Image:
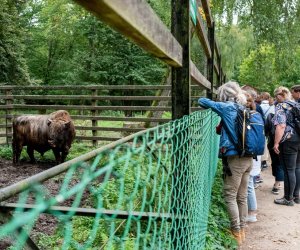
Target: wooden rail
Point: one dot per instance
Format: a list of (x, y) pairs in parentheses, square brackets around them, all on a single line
[(87, 110), (136, 20)]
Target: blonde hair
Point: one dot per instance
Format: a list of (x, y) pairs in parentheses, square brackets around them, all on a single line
[(231, 91), (284, 92)]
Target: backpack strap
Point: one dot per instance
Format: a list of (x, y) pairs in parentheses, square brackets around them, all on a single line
[(267, 111)]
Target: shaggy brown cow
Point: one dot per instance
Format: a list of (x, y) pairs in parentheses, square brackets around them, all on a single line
[(42, 133)]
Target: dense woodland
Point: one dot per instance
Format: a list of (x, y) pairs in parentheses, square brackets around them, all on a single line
[(57, 42)]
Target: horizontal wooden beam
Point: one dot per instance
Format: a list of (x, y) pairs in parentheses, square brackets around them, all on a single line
[(136, 20), (76, 107), (86, 97), (87, 87), (107, 118), (91, 212), (109, 129), (98, 138), (198, 78)]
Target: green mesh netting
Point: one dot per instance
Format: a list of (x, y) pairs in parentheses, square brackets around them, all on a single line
[(152, 193)]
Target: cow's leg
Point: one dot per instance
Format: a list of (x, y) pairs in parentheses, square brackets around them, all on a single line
[(64, 155), (30, 153), (57, 155), (17, 149)]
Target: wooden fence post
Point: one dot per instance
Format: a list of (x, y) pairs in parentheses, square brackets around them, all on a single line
[(181, 78), (220, 71), (210, 61), (8, 118), (94, 113), (181, 105)]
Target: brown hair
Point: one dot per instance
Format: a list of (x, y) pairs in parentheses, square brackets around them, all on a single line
[(265, 96), (296, 88), (250, 101)]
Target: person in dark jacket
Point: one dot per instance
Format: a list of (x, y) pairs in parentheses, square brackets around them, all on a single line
[(277, 170), (235, 183), (287, 145)]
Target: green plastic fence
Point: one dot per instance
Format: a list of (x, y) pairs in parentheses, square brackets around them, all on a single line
[(152, 193)]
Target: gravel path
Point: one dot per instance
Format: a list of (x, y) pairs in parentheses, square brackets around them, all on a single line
[(278, 227)]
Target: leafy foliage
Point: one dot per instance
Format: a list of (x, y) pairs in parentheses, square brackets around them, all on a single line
[(259, 68), (271, 58), (13, 68)]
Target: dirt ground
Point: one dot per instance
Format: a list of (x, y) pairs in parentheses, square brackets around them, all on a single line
[(278, 227), (10, 174)]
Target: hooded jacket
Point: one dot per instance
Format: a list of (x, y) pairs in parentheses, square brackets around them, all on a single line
[(228, 112)]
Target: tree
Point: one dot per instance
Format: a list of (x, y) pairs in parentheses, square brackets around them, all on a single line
[(258, 69), (13, 68)]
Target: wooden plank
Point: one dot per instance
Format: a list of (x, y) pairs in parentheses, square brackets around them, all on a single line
[(98, 138), (129, 119), (198, 77), (74, 107), (4, 135), (88, 87), (202, 36), (111, 118), (86, 97), (207, 12), (136, 20), (91, 212), (109, 129)]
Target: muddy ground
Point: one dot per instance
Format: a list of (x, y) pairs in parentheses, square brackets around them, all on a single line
[(11, 174)]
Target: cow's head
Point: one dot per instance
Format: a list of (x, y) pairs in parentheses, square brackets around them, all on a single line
[(58, 133)]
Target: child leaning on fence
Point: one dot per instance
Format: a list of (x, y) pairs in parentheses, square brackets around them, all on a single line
[(236, 182)]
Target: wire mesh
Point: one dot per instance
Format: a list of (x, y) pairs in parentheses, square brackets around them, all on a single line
[(152, 193)]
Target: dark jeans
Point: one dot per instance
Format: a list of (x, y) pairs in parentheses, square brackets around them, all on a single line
[(277, 170), (290, 159)]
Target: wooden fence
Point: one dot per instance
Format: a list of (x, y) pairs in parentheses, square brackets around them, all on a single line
[(91, 105)]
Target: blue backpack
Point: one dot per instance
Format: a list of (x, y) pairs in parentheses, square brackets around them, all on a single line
[(249, 126), (250, 131)]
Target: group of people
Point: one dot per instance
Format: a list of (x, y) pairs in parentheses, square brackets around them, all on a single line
[(283, 147)]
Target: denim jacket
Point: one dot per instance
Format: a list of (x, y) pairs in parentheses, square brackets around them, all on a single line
[(228, 112)]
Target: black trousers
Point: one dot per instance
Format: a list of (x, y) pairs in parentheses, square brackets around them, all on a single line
[(290, 160)]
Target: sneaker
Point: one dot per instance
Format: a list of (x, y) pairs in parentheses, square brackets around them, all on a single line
[(251, 218), (297, 200), (258, 179), (283, 201), (264, 165), (275, 190)]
